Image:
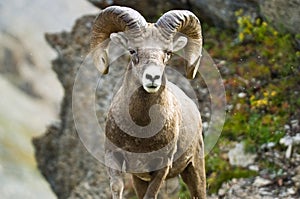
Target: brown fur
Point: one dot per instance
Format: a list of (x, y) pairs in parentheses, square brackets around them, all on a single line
[(190, 164)]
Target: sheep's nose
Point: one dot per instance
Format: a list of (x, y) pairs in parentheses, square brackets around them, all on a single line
[(152, 78)]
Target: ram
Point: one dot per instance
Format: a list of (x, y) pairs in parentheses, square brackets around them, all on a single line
[(153, 129)]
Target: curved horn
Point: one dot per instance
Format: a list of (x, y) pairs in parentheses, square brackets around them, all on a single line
[(113, 19), (187, 23)]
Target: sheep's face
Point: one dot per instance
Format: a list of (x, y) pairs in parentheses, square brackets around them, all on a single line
[(149, 56)]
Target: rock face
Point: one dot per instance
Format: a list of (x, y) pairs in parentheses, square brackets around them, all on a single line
[(282, 14), (15, 60), (221, 13), (238, 156), (24, 54), (218, 12), (61, 156), (152, 9)]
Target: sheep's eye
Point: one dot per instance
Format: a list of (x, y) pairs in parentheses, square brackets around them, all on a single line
[(132, 51), (134, 56), (169, 53)]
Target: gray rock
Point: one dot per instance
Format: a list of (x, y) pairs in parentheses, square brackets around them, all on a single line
[(15, 60), (282, 14), (25, 56), (64, 161), (151, 9), (222, 12), (238, 157), (296, 178), (260, 182), (295, 124), (290, 141), (254, 168), (217, 12), (243, 188)]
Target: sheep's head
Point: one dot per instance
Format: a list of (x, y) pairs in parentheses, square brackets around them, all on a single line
[(150, 45), (149, 55)]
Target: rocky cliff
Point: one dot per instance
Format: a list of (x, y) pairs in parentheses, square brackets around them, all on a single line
[(62, 158), (284, 15)]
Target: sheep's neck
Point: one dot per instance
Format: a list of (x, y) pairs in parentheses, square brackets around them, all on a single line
[(141, 102)]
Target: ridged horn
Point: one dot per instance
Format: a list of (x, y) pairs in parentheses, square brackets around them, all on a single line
[(113, 19), (188, 24)]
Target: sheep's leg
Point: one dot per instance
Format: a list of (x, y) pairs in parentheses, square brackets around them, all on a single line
[(116, 183), (156, 182), (140, 186), (115, 160), (194, 177)]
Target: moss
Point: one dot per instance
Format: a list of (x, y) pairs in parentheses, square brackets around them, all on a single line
[(215, 183)]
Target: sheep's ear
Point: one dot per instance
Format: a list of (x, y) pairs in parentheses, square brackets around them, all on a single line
[(179, 43), (100, 57), (119, 39)]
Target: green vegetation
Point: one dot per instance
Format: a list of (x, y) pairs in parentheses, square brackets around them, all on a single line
[(184, 192), (263, 65)]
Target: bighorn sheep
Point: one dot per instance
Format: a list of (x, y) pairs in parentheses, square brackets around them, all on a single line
[(153, 130)]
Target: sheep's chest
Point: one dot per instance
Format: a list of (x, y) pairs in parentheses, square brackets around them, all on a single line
[(143, 135), (142, 144)]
